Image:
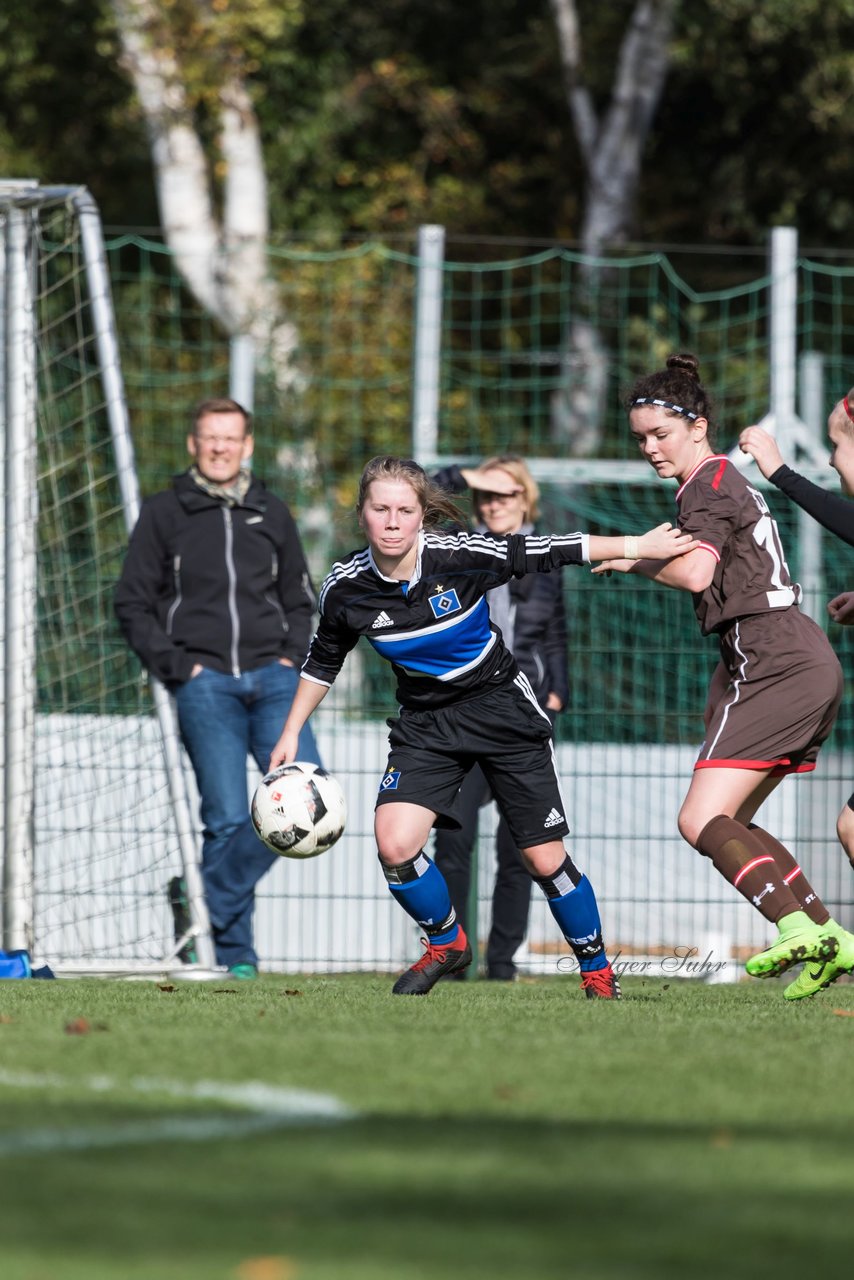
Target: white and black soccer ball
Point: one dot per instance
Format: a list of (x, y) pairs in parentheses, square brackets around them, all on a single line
[(299, 810)]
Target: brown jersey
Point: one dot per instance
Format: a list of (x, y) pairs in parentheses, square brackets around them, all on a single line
[(730, 519)]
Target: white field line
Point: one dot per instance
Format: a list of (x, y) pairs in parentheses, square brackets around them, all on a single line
[(253, 1107)]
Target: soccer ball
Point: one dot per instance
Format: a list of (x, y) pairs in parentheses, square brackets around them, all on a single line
[(298, 810)]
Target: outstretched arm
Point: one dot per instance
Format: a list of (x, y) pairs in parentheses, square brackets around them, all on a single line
[(831, 510), (691, 572), (307, 699), (661, 543)]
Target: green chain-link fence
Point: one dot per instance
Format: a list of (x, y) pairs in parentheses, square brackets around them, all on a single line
[(525, 342), (535, 351)]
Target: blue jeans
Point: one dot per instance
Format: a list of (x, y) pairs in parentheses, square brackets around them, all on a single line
[(223, 720)]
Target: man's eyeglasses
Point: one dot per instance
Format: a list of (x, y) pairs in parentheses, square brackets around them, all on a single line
[(225, 442)]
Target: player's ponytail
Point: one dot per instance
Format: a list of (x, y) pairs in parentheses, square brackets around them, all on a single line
[(677, 389)]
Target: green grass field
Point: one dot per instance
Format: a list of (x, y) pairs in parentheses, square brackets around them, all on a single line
[(485, 1131)]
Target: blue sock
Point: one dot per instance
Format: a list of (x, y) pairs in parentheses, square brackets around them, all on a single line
[(420, 888), (574, 908)]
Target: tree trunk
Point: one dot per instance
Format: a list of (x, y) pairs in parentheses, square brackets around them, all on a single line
[(612, 149), (223, 260)]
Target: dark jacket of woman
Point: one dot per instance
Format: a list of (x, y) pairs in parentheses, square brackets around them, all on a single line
[(537, 634)]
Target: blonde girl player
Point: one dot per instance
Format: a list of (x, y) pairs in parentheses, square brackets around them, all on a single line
[(418, 595), (774, 695)]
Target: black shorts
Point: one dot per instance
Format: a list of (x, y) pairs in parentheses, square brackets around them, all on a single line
[(774, 696), (507, 734)]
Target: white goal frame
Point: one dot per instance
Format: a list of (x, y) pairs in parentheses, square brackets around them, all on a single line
[(21, 205)]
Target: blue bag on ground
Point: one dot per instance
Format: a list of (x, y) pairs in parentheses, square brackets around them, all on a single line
[(16, 964)]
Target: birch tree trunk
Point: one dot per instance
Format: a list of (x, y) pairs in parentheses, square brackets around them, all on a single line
[(612, 149), (222, 258)]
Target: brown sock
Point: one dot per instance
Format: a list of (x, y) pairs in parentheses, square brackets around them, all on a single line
[(793, 876), (743, 860)]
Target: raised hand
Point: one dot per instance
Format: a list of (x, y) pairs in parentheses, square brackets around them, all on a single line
[(762, 448), (841, 609)]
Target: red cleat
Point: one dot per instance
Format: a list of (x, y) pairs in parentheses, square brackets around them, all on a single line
[(436, 963), (601, 984)]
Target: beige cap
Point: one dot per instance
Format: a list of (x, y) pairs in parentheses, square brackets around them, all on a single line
[(490, 479)]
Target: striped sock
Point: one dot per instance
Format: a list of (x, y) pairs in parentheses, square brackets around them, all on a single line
[(742, 859), (572, 902), (793, 876), (420, 888)]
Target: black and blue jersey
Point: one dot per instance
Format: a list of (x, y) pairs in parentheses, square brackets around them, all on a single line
[(435, 629)]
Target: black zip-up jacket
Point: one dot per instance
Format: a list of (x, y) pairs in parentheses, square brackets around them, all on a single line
[(540, 631), (540, 636), (210, 582)]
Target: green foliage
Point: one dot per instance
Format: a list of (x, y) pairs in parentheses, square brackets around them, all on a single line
[(65, 111), (383, 115), (767, 90)]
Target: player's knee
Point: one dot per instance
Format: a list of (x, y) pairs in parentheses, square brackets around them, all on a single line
[(395, 856), (845, 831), (396, 846), (690, 825)]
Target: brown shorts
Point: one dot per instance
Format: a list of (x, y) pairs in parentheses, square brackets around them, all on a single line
[(774, 695)]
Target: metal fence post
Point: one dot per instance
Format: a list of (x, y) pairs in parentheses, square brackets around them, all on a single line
[(784, 310), (241, 375), (811, 568), (428, 343)]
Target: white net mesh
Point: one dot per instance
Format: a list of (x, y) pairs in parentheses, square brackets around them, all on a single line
[(103, 837)]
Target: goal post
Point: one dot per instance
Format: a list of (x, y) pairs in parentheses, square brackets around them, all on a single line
[(96, 811)]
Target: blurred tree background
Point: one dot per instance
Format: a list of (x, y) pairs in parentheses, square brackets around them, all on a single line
[(379, 116)]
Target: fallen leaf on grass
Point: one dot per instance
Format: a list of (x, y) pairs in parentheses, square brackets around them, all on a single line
[(291, 991), (165, 987), (266, 1269), (4, 1017), (506, 1092), (78, 1027), (82, 1027), (721, 1138), (844, 1013)]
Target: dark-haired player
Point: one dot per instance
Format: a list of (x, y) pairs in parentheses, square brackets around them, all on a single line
[(418, 595), (775, 693)]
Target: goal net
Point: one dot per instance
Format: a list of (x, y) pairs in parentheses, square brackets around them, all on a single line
[(98, 808), (94, 822)]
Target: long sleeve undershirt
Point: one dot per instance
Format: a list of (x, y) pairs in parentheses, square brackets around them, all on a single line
[(835, 513)]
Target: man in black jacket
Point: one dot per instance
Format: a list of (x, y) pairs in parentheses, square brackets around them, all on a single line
[(216, 601)]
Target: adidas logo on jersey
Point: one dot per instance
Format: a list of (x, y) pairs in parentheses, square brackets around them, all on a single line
[(381, 620), (553, 819)]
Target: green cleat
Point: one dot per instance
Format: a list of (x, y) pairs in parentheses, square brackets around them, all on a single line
[(809, 942), (817, 974)]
